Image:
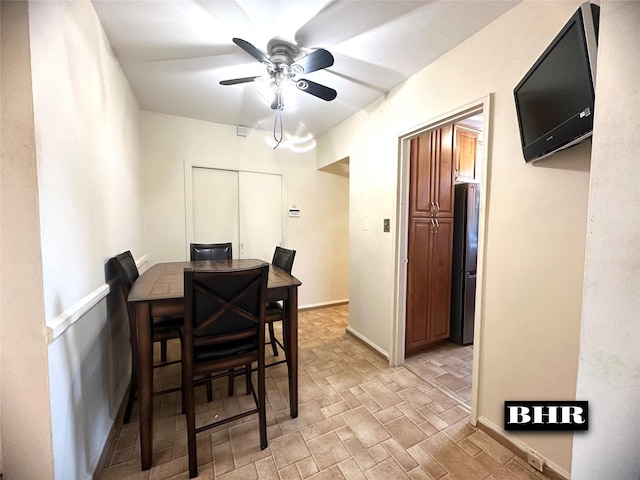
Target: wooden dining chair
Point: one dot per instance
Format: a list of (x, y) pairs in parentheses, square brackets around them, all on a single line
[(223, 334), (164, 329), (283, 258), (211, 251)]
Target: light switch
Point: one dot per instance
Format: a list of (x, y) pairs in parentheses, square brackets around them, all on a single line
[(386, 225)]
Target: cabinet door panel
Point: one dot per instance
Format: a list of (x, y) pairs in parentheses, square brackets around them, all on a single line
[(443, 180), (440, 279), (417, 335), (465, 152), (420, 172)]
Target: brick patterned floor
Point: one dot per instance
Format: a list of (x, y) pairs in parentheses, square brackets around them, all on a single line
[(358, 419), (448, 366)]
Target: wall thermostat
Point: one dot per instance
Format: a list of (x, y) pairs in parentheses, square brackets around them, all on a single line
[(294, 212)]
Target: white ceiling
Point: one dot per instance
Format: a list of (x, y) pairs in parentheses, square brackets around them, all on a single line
[(175, 52)]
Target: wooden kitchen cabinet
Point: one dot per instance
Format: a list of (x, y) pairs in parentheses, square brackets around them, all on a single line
[(432, 174), (430, 239), (428, 283), (465, 153)]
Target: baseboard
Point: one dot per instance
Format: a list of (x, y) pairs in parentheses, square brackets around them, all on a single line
[(315, 306), (367, 343), (112, 438), (550, 469)]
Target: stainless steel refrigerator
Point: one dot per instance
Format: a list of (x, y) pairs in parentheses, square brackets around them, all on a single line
[(465, 259)]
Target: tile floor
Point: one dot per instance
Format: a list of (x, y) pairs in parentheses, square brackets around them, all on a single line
[(448, 366), (358, 419)]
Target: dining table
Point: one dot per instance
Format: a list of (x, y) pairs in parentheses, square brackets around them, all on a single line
[(159, 292)]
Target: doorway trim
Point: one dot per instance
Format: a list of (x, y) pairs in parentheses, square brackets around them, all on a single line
[(397, 351)]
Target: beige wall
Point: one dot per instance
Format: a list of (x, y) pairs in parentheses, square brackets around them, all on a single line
[(319, 235), (535, 226), (609, 368), (25, 420)]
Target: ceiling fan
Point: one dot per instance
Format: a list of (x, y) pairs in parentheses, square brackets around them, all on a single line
[(284, 69)]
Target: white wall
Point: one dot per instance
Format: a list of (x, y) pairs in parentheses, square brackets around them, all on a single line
[(319, 235), (535, 225), (609, 367), (87, 129)]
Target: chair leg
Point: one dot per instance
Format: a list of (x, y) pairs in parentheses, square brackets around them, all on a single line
[(231, 380), (191, 425), (262, 408), (272, 338), (133, 388), (209, 390), (247, 376), (163, 350)]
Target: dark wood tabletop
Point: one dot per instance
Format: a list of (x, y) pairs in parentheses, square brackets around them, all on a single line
[(165, 281)]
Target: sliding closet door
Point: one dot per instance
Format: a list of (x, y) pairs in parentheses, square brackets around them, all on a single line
[(239, 207), (260, 214), (215, 206)]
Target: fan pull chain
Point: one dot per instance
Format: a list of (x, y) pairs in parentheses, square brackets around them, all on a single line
[(278, 133)]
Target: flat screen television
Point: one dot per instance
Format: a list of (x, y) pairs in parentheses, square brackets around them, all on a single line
[(554, 100)]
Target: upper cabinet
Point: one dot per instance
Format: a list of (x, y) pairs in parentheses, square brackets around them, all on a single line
[(466, 150), (432, 174)]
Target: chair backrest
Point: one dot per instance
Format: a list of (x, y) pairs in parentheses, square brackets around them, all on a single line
[(124, 266), (224, 306), (211, 251), (126, 270), (283, 258)]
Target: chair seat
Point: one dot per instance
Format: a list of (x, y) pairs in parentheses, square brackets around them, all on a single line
[(212, 352), (163, 324), (166, 329), (274, 309)]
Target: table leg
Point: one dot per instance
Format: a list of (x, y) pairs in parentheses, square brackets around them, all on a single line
[(292, 354), (145, 382)]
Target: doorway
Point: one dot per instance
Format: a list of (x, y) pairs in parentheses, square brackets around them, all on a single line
[(456, 364)]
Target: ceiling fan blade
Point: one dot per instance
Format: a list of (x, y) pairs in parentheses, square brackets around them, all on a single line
[(251, 50), (317, 90), (235, 81), (339, 21), (315, 61)]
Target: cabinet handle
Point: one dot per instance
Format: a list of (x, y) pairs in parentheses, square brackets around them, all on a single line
[(437, 207), (433, 206)]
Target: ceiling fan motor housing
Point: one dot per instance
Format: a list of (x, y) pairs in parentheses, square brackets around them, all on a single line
[(282, 54)]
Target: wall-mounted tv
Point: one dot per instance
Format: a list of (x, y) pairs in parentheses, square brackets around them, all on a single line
[(554, 100)]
